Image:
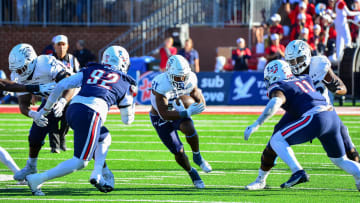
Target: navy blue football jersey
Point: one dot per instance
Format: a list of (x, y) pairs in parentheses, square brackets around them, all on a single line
[(105, 83), (300, 94)]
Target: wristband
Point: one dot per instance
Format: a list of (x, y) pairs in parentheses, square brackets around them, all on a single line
[(32, 88)]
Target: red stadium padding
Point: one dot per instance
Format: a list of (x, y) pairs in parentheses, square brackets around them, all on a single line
[(235, 110)]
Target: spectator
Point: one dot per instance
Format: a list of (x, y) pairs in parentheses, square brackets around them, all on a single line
[(343, 37), (49, 49), (276, 27), (354, 21), (220, 63), (82, 54), (23, 11), (166, 51), (317, 41), (299, 26), (309, 20), (304, 35), (191, 55), (240, 56), (57, 132), (275, 50)]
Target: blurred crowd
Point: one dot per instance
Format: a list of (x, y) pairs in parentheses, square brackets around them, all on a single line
[(328, 26)]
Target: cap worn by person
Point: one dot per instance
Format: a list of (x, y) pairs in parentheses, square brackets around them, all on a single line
[(240, 40), (301, 16), (276, 18), (305, 31), (317, 26), (303, 5), (60, 38), (274, 36)]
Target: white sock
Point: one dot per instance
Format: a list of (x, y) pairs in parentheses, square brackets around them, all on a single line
[(263, 175), (8, 160), (101, 151), (32, 162), (349, 166), (196, 153), (64, 168), (285, 152)]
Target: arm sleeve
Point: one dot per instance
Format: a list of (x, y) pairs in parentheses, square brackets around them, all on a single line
[(127, 108), (271, 108), (350, 13), (67, 83)]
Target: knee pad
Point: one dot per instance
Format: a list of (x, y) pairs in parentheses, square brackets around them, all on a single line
[(105, 138), (79, 163), (268, 157)]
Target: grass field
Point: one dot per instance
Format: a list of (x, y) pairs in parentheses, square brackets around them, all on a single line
[(145, 171)]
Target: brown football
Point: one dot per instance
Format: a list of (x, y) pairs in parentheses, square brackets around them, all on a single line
[(186, 100)]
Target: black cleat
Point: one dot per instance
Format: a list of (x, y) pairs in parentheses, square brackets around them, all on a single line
[(298, 177)]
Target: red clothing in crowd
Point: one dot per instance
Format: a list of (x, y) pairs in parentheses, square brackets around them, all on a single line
[(278, 29), (164, 56), (309, 11), (273, 49), (295, 32)]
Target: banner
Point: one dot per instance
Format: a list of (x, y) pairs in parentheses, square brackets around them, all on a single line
[(144, 86), (248, 88), (215, 87)]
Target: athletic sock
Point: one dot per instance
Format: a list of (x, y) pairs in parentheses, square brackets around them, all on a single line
[(32, 162), (62, 169), (197, 158), (101, 151), (263, 175), (8, 160)]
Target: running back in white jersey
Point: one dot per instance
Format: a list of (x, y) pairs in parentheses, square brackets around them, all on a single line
[(318, 68), (162, 85), (45, 71)]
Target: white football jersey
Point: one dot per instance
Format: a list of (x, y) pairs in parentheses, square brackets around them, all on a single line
[(45, 71), (162, 85), (319, 67)]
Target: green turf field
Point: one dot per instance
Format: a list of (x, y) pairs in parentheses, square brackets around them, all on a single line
[(145, 171)]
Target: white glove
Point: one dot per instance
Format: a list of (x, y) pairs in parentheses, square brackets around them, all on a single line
[(59, 107), (195, 108), (251, 129), (46, 89), (179, 107), (39, 118)]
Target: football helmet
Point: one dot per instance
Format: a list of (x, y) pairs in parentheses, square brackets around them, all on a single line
[(116, 57), (20, 58), (298, 55), (178, 71), (275, 71)]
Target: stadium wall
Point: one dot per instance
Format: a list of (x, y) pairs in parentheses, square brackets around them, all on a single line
[(206, 39)]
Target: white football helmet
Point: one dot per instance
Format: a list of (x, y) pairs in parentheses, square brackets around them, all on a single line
[(116, 57), (20, 58), (178, 70), (277, 70), (298, 55)]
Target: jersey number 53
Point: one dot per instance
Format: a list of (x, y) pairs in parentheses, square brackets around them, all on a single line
[(102, 79)]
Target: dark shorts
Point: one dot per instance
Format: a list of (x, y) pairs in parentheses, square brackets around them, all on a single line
[(325, 126), (167, 131), (86, 124)]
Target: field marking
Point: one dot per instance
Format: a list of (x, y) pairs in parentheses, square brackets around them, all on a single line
[(104, 200)]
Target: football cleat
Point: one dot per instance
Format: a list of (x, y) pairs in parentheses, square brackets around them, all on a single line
[(298, 177), (358, 186), (108, 177), (204, 165), (23, 182), (256, 185), (34, 183), (27, 170), (194, 175), (98, 181)]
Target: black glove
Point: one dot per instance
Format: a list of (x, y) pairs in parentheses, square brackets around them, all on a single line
[(333, 85)]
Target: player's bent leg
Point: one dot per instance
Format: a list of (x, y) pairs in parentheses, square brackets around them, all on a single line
[(350, 149), (187, 127), (268, 158), (66, 167), (349, 166)]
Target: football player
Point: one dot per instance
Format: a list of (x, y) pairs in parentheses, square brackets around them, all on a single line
[(298, 54), (29, 69), (314, 119), (102, 85), (7, 85), (178, 80)]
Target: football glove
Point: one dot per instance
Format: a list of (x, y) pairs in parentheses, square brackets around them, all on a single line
[(179, 107), (251, 129), (59, 107), (195, 108), (39, 118), (333, 85)]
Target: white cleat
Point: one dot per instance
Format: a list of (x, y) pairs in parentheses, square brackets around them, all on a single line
[(205, 166), (256, 185), (98, 181), (199, 184), (108, 177), (27, 170), (34, 183)]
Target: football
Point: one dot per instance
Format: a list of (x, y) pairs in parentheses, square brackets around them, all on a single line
[(186, 100)]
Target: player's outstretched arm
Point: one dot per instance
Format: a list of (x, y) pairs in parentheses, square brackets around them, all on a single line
[(11, 86), (127, 106), (334, 83), (277, 99)]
